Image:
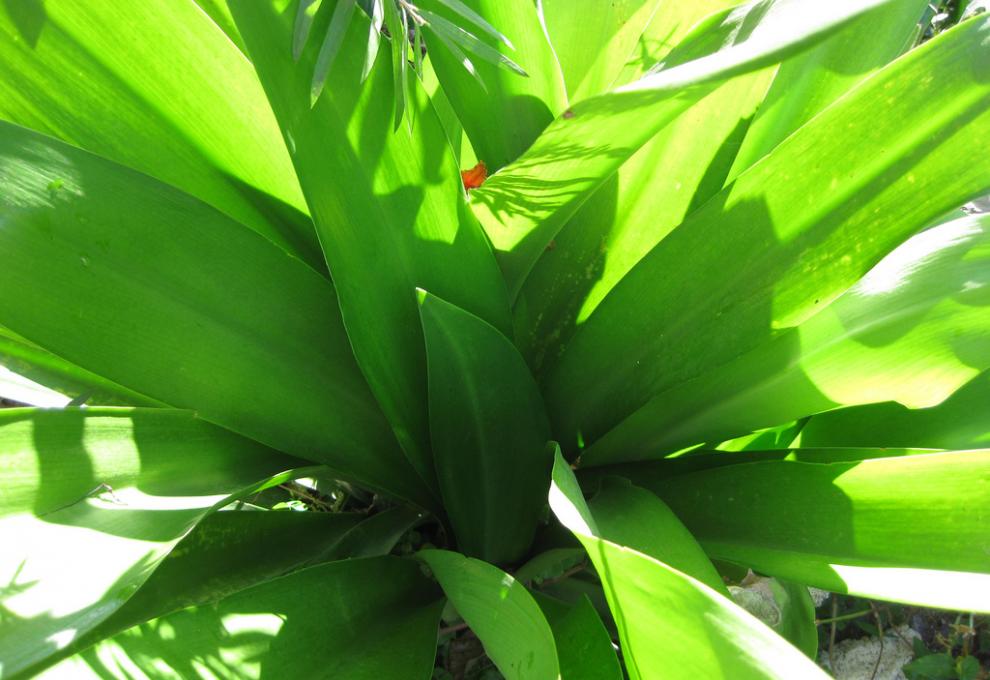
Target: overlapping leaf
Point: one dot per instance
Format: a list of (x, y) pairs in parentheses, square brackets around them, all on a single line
[(697, 152), (364, 619), (388, 208), (507, 112), (913, 330), (671, 625), (960, 422), (523, 207), (93, 501), (878, 523), (593, 40), (159, 88), (158, 292), (793, 233)]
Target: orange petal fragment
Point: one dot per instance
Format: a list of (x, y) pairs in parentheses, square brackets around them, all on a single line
[(475, 177)]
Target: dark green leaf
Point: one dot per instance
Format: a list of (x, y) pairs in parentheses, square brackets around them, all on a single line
[(583, 645), (932, 667), (489, 432)]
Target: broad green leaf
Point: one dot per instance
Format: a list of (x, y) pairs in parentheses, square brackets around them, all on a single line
[(93, 501), (960, 422), (489, 432), (913, 330), (226, 552), (630, 213), (152, 289), (500, 611), (651, 473), (361, 619), (614, 230), (384, 229), (671, 625), (908, 528), (635, 518), (503, 116), (523, 207), (42, 367), (583, 645), (593, 40), (808, 83), (159, 88), (793, 233)]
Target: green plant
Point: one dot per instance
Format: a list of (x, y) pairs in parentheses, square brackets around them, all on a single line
[(717, 247)]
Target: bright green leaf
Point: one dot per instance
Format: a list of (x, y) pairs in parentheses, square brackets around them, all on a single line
[(670, 625), (523, 207), (914, 329), (160, 88), (26, 359), (501, 613), (633, 517), (593, 39), (364, 619), (811, 81), (503, 116), (793, 233), (960, 422), (93, 501), (908, 528)]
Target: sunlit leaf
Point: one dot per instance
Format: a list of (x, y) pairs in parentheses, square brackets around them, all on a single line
[(364, 619), (93, 501), (671, 625), (910, 528), (500, 612), (793, 233)]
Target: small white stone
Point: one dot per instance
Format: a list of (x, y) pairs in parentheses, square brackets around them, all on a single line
[(857, 659)]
